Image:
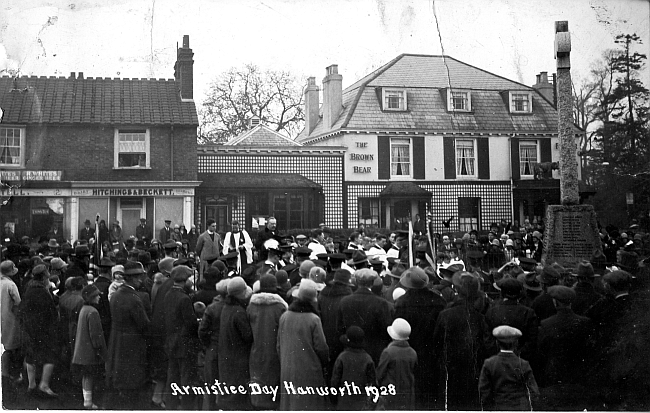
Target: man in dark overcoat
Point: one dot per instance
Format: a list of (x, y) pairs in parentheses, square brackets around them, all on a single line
[(508, 311), (144, 231), (421, 306), (370, 312), (543, 304), (86, 233), (263, 235), (126, 367), (586, 294), (461, 342), (565, 340), (181, 327), (165, 232), (329, 301)]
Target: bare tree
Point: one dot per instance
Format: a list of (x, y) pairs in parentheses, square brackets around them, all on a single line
[(276, 97)]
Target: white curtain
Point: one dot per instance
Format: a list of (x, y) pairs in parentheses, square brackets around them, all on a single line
[(528, 157), (400, 164), (464, 158)]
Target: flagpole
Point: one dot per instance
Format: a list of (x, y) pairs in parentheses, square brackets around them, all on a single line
[(410, 244)]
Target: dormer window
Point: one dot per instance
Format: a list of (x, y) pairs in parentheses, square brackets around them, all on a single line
[(394, 99), (459, 100), (521, 102)]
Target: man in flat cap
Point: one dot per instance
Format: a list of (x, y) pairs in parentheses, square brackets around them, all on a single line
[(166, 231), (507, 381)]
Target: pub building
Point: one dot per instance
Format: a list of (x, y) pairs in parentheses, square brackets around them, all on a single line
[(72, 148), (433, 134)]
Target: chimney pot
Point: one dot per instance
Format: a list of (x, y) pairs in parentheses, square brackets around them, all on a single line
[(312, 105), (544, 77), (81, 75), (183, 69), (332, 95), (73, 75)]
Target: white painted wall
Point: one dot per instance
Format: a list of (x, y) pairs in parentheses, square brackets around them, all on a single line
[(499, 158)]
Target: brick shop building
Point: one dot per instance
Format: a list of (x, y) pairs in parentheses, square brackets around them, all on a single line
[(73, 147)]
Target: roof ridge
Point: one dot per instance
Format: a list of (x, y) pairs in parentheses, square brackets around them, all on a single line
[(489, 73), (363, 85)]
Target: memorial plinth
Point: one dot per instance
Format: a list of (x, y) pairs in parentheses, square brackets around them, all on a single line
[(571, 234), (571, 230)]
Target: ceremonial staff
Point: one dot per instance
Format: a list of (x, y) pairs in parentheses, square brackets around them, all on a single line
[(433, 260)]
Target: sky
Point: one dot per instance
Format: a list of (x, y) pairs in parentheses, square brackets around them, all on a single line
[(138, 39)]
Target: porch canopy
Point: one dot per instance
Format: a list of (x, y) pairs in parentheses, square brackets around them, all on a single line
[(256, 181), (405, 190)]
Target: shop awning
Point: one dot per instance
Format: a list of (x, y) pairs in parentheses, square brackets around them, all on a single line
[(257, 181), (404, 190)]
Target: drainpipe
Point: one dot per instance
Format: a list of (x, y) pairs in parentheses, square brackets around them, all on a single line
[(171, 163), (512, 183)]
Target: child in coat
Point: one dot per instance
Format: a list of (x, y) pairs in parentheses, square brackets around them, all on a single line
[(353, 370), (507, 381), (396, 366), (90, 347)]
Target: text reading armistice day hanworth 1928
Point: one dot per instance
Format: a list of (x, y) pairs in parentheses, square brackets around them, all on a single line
[(221, 389)]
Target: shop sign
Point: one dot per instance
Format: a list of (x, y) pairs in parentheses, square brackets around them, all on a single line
[(35, 192), (30, 175), (40, 211), (126, 192), (361, 157)]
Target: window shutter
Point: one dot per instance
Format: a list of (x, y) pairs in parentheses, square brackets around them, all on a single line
[(419, 164), (483, 149), (545, 150), (545, 154), (514, 153), (383, 146), (450, 157)]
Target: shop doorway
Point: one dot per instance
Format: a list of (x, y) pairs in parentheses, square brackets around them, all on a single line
[(130, 220), (220, 215)]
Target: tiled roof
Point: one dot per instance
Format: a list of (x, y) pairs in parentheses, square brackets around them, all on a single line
[(425, 80), (261, 135), (431, 71), (64, 100)]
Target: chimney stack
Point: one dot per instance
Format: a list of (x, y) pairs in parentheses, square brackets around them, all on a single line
[(184, 71), (312, 105), (544, 87), (332, 95)]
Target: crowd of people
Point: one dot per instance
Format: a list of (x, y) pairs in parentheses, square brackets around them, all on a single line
[(407, 320)]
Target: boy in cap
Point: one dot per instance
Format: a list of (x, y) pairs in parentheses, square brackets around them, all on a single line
[(355, 367), (397, 366), (506, 381)]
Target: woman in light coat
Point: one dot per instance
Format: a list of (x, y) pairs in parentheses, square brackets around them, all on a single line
[(264, 312)]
